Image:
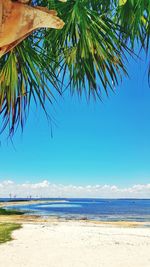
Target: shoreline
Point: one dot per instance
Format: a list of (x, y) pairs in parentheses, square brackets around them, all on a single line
[(27, 218), (36, 219), (74, 242)]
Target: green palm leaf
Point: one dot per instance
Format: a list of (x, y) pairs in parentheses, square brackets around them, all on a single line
[(88, 55), (24, 75), (90, 48)]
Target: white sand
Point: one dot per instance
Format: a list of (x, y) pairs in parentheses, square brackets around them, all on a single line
[(77, 244), (28, 202)]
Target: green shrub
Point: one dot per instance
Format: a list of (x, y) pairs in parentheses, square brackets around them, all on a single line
[(10, 212)]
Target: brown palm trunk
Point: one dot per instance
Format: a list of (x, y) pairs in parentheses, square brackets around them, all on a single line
[(18, 20)]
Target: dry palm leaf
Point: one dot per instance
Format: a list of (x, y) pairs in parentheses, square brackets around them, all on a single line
[(18, 20)]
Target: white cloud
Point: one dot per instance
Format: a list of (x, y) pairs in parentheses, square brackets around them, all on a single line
[(7, 182), (46, 189)]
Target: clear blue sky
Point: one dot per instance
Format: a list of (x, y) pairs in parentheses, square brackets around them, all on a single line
[(94, 143)]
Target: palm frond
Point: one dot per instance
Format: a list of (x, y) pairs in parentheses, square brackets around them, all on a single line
[(24, 75), (89, 52), (134, 19), (89, 46)]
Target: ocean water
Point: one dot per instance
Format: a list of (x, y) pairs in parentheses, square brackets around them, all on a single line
[(93, 209)]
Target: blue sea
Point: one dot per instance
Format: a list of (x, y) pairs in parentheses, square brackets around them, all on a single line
[(93, 209)]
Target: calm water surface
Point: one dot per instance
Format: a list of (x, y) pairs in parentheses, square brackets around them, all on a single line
[(94, 209)]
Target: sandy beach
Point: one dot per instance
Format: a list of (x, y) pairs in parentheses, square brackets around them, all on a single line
[(29, 202), (77, 244)]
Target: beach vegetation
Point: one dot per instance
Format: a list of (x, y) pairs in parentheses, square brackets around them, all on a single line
[(6, 231), (10, 212)]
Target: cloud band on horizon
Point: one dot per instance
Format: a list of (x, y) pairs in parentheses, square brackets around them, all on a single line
[(46, 189)]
